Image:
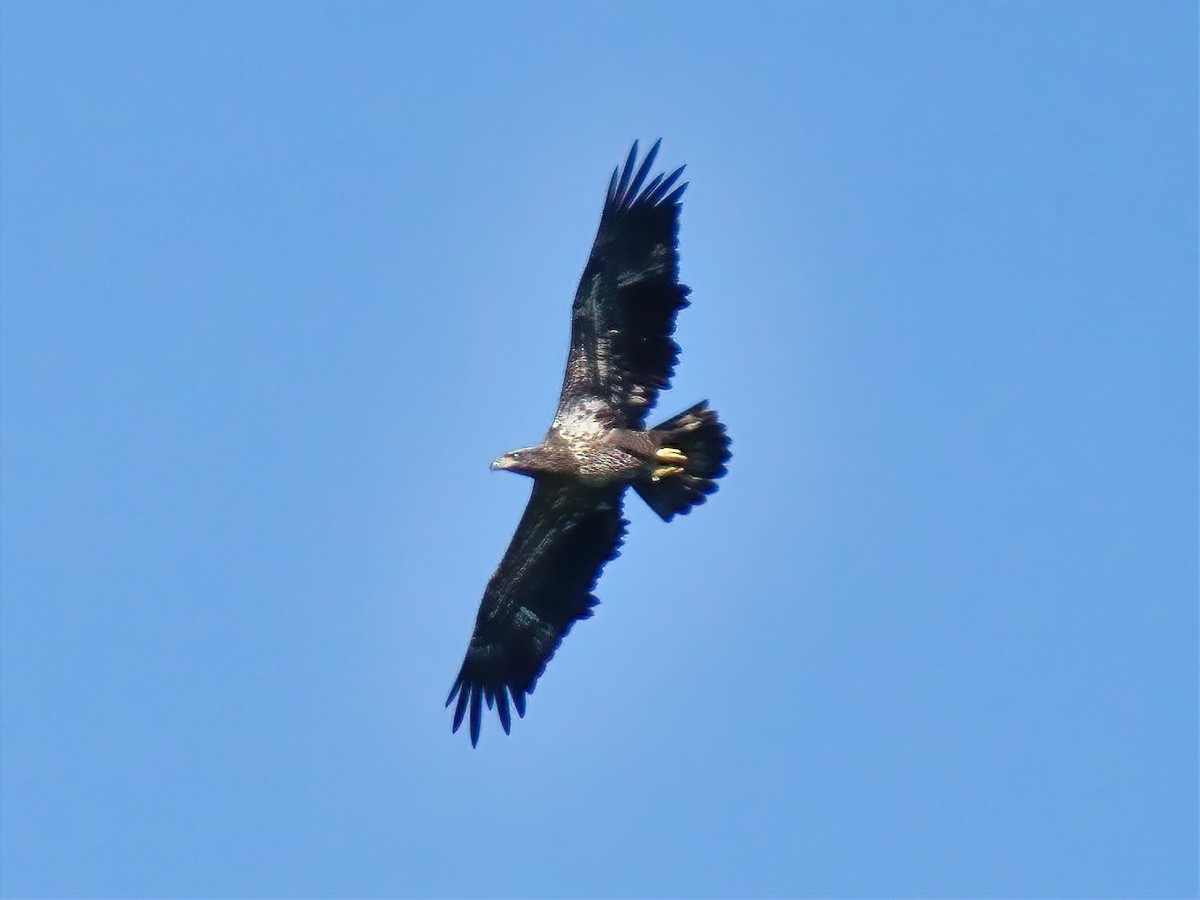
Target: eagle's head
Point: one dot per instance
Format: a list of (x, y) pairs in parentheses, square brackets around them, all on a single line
[(520, 461)]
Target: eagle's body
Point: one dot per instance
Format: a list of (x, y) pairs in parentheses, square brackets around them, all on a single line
[(584, 450), (621, 356)]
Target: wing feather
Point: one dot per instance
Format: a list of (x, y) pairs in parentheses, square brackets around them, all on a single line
[(636, 184), (656, 191), (541, 588), (622, 353), (625, 173)]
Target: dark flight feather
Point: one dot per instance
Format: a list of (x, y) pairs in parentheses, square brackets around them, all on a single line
[(644, 170), (655, 192), (625, 173)]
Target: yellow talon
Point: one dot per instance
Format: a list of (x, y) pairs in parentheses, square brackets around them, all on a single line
[(670, 455), (664, 471)]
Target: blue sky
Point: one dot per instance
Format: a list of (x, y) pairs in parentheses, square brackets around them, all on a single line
[(279, 280)]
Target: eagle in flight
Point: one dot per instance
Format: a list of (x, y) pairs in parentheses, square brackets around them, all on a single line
[(621, 356)]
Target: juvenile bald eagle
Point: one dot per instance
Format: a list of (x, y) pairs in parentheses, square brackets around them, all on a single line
[(621, 356)]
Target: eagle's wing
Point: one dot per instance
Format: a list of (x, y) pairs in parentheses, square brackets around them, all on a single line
[(622, 354), (542, 586)]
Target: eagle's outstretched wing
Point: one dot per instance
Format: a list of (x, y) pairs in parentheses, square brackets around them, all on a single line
[(542, 586), (624, 312)]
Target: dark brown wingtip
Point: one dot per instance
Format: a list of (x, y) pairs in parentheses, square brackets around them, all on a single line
[(626, 172), (502, 709), (631, 194), (655, 196), (476, 713), (464, 695)]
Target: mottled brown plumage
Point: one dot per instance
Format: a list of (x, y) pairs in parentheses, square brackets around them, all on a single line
[(622, 355)]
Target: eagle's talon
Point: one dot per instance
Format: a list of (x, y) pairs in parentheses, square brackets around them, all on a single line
[(663, 471), (669, 455)]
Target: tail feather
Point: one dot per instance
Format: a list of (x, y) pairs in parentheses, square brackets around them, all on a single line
[(700, 436)]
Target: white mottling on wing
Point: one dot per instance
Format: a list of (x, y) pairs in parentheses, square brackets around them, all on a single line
[(582, 420)]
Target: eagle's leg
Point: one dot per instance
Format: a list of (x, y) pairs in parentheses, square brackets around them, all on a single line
[(669, 455), (664, 471)]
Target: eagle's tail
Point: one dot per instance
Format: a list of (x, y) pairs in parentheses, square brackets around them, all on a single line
[(693, 451)]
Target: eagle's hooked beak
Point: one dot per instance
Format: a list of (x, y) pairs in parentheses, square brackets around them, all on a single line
[(503, 462)]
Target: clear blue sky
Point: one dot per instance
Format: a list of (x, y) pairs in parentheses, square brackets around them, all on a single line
[(279, 281)]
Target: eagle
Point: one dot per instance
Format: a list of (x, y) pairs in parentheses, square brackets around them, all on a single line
[(621, 356)]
